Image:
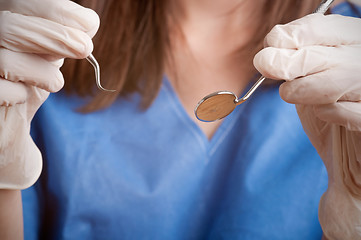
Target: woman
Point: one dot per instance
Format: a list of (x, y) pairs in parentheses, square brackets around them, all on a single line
[(138, 165)]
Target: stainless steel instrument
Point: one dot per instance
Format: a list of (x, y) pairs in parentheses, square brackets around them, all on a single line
[(220, 104), (95, 64)]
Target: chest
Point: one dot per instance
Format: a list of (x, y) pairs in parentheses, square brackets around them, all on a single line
[(157, 175)]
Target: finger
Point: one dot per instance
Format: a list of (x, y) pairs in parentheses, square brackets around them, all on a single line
[(31, 69), (323, 88), (37, 96), (347, 114), (12, 93), (52, 59), (316, 29), (37, 35), (64, 12), (289, 64)]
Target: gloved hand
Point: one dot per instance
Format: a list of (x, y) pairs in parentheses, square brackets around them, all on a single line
[(35, 36), (320, 59)]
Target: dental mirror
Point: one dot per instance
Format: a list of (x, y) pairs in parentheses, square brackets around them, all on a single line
[(220, 104)]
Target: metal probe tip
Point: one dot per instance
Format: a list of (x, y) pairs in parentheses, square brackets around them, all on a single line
[(95, 64)]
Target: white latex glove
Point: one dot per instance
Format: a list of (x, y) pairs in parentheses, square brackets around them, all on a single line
[(35, 36), (320, 59)]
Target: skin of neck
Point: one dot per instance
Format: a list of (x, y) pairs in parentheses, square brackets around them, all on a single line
[(209, 49)]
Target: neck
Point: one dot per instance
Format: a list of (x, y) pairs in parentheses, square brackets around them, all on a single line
[(209, 40), (226, 25)]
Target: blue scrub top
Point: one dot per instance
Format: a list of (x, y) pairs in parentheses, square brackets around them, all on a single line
[(122, 173)]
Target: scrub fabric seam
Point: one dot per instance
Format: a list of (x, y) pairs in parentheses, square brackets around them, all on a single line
[(227, 126), (209, 146), (231, 119), (177, 108)]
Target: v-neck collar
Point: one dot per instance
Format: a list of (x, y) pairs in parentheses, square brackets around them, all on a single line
[(209, 145)]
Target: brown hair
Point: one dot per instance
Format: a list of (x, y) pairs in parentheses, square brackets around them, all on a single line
[(132, 45)]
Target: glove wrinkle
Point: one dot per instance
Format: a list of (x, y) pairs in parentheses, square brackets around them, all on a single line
[(31, 34), (316, 29), (346, 114), (16, 171), (12, 93), (350, 164), (340, 205), (64, 12), (31, 69), (35, 37)]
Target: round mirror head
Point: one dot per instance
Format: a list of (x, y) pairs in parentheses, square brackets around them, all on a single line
[(215, 106)]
